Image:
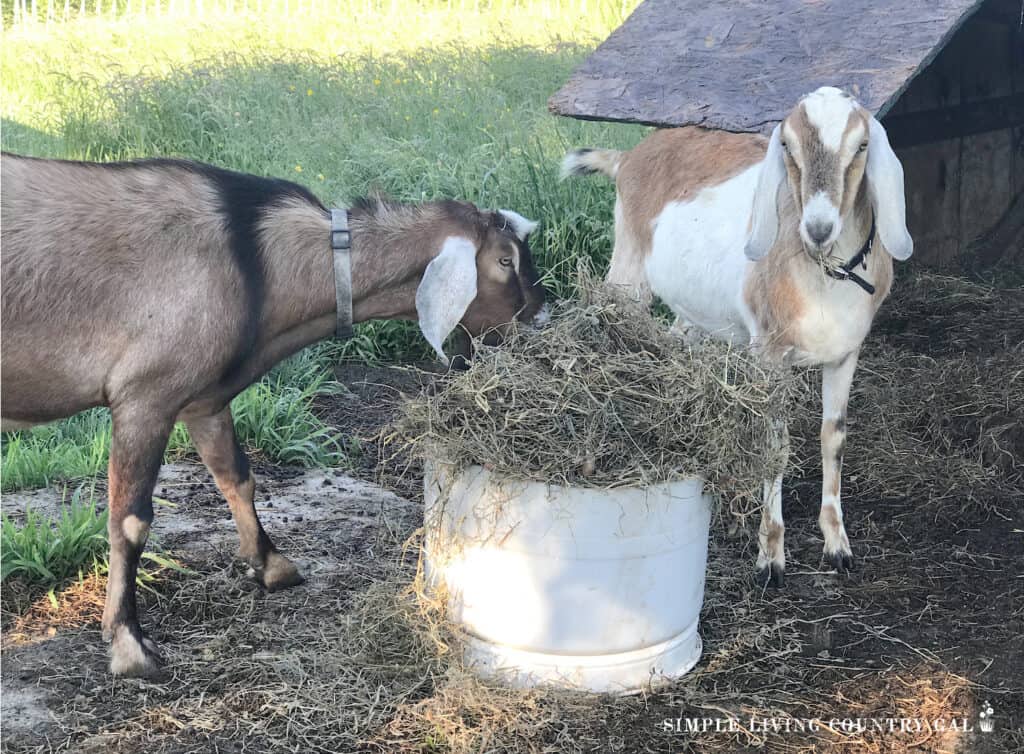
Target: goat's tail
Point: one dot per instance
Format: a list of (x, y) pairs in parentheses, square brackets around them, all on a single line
[(588, 161)]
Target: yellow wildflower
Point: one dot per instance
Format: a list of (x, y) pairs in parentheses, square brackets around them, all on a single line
[(298, 168), (309, 92)]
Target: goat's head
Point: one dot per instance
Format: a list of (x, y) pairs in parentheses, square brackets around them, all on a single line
[(484, 280), (826, 149)]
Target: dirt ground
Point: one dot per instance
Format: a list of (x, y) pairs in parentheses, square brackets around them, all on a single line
[(929, 625)]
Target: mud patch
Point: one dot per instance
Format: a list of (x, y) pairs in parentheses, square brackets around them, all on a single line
[(25, 711)]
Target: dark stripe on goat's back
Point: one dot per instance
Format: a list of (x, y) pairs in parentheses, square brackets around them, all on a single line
[(243, 201)]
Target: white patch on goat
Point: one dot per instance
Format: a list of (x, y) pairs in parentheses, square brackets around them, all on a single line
[(828, 110), (129, 657), (697, 265), (836, 379), (771, 548), (514, 251), (820, 210), (520, 225), (135, 530), (543, 316)]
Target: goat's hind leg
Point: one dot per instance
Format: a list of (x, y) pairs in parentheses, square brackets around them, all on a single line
[(137, 446), (626, 270), (771, 551), (214, 438)]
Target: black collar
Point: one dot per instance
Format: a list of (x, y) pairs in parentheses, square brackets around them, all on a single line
[(846, 271)]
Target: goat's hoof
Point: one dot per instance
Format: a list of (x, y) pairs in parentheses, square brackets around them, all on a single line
[(841, 561), (132, 654), (278, 573), (773, 575)]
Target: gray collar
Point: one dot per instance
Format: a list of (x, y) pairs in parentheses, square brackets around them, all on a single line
[(341, 245)]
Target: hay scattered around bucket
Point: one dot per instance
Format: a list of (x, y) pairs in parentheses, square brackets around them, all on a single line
[(605, 395)]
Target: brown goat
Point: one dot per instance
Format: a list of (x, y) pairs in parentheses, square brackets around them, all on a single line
[(163, 288)]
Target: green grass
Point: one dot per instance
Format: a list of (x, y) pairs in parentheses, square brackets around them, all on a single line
[(276, 414), (45, 553), (70, 449), (418, 100)]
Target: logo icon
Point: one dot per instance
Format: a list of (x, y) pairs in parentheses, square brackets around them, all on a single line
[(985, 721)]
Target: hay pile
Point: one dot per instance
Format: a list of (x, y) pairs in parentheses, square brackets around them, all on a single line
[(605, 395)]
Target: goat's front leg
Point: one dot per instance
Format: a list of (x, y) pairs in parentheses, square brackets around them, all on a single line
[(136, 450), (836, 379), (214, 438), (771, 554)]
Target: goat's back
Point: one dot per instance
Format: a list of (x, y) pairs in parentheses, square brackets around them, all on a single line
[(102, 239), (674, 164), (114, 271)]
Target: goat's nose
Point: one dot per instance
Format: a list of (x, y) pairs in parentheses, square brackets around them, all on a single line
[(819, 230)]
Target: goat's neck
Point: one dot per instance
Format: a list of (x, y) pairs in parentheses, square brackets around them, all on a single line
[(846, 296), (386, 269), (388, 261), (299, 307)]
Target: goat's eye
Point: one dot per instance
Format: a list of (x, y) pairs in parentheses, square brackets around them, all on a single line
[(862, 147), (505, 261), (784, 145)]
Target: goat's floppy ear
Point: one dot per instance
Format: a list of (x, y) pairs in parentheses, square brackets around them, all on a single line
[(885, 187), (765, 214), (519, 224), (446, 291)]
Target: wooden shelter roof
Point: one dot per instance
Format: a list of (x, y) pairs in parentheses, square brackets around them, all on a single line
[(740, 65)]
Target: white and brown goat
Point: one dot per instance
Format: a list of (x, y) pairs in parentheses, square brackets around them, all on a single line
[(162, 288), (785, 243)]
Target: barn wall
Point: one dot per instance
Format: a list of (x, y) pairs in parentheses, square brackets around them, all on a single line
[(964, 163)]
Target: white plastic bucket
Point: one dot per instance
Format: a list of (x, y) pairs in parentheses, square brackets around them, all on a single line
[(584, 588)]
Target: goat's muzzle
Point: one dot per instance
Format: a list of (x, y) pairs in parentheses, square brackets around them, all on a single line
[(820, 225), (535, 305)]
